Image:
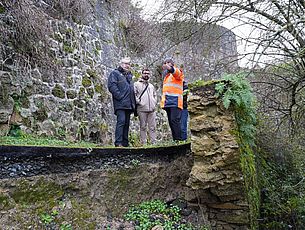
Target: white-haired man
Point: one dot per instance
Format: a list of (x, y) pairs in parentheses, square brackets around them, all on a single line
[(121, 86)]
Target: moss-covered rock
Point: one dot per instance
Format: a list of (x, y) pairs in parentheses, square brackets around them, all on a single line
[(82, 92), (71, 94), (2, 10), (86, 82), (92, 74), (79, 103), (98, 88), (41, 114), (58, 91)]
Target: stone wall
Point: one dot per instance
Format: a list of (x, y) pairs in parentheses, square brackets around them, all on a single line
[(67, 97), (216, 170)]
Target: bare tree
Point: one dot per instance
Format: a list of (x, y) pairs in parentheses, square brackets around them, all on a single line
[(277, 36)]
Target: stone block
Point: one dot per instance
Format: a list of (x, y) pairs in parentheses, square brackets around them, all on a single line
[(234, 217), (4, 129)]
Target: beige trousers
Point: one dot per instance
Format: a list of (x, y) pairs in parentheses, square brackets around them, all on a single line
[(147, 119)]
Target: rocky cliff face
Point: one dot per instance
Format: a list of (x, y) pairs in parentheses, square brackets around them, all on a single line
[(55, 57), (216, 170)]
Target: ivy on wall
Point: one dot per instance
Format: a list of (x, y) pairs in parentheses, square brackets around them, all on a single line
[(235, 91)]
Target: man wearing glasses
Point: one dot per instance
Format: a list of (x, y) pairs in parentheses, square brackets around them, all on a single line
[(121, 87), (172, 99), (146, 100)]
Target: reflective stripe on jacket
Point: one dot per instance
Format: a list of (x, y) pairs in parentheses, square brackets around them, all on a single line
[(172, 89)]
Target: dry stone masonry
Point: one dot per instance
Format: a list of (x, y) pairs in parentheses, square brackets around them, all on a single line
[(216, 172), (69, 99)]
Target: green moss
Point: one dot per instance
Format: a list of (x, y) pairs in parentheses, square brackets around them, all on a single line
[(41, 191), (92, 74), (58, 37), (71, 94), (86, 82), (68, 48), (201, 83), (41, 114), (82, 216), (104, 127), (27, 122), (58, 91), (121, 179), (2, 10), (98, 88), (5, 203), (79, 103)]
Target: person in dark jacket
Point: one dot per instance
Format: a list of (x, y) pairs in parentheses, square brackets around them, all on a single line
[(121, 87)]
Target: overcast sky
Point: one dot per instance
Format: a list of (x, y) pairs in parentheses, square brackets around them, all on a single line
[(149, 7)]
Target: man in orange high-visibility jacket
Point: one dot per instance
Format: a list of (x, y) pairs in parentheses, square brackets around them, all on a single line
[(172, 99)]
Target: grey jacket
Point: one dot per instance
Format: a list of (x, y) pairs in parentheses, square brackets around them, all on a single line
[(148, 101)]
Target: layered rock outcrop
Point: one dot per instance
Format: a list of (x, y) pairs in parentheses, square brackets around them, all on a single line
[(216, 170)]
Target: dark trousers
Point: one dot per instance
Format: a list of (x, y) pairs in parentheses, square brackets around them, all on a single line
[(174, 120), (184, 116), (122, 127)]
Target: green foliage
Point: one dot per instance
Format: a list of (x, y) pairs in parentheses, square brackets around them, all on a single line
[(136, 74), (65, 227), (283, 183), (46, 218), (15, 131), (25, 140), (53, 218), (151, 213), (134, 139), (135, 162), (235, 92)]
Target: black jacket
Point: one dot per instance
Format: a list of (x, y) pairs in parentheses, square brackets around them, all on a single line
[(120, 85)]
